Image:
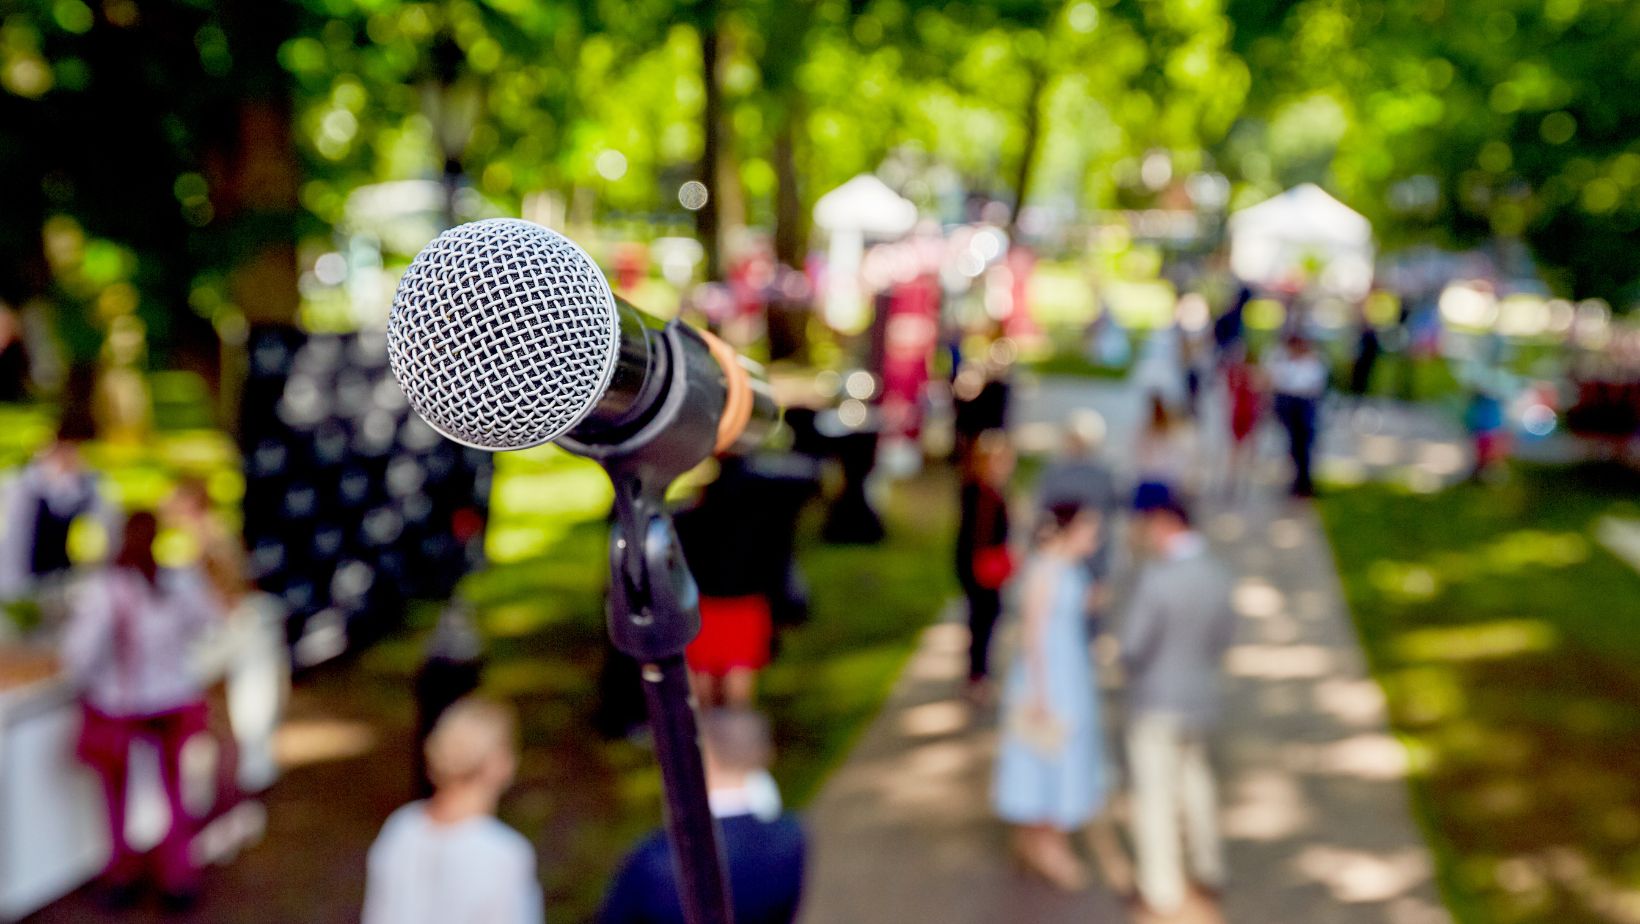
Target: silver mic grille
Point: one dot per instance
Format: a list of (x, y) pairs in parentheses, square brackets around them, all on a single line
[(503, 334)]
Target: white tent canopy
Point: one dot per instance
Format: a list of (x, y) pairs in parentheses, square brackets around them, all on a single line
[(862, 208), (1284, 236), (866, 205)]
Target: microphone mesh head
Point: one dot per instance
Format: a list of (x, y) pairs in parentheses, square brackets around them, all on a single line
[(503, 334)]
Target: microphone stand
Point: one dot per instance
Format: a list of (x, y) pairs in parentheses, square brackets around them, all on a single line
[(654, 605), (654, 614)]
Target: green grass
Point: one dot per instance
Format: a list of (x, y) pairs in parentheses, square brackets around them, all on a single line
[(1074, 364), (869, 605), (1508, 642), (1423, 378)]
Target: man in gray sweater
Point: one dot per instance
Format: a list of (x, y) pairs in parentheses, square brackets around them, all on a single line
[(1179, 625)]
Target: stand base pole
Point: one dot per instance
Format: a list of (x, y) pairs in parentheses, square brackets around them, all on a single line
[(689, 822)]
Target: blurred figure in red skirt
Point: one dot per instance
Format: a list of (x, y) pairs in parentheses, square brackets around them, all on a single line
[(738, 542), (733, 645), (1245, 390), (985, 561)]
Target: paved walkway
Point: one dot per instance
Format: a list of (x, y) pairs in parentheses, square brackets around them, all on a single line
[(1314, 802)]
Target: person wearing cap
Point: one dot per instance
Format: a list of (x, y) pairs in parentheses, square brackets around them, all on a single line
[(1178, 627), (764, 848), (449, 860)]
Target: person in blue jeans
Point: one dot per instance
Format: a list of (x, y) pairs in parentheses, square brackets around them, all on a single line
[(765, 847)]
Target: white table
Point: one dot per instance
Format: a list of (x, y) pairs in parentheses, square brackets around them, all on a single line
[(52, 828)]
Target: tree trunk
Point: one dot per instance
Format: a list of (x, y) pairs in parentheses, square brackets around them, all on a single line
[(261, 184), (706, 217), (790, 230), (25, 273), (1033, 141), (256, 194)]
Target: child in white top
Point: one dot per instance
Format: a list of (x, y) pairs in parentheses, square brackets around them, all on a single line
[(448, 860)]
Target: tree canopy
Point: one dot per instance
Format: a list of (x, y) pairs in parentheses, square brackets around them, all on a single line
[(130, 134)]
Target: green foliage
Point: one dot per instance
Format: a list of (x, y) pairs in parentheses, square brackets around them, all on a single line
[(110, 119), (1458, 121), (1453, 121), (390, 90)]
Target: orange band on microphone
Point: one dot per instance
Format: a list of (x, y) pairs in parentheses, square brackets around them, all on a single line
[(737, 398)]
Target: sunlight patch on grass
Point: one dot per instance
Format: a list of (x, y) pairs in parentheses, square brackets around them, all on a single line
[(1501, 639), (1426, 694), (581, 492), (513, 620), (1404, 582), (1525, 548), (507, 545)]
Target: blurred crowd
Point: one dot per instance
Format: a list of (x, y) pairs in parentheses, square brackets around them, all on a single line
[(1054, 776), (1094, 522), (146, 631)]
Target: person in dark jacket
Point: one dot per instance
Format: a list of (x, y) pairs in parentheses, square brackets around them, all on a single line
[(982, 396), (765, 848), (738, 542), (983, 560), (42, 503), (1298, 378)]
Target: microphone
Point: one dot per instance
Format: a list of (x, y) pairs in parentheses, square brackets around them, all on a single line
[(505, 335)]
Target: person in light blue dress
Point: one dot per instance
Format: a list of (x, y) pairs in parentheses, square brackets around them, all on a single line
[(1050, 772)]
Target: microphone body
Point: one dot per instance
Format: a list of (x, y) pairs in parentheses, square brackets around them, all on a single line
[(505, 335), (668, 376)]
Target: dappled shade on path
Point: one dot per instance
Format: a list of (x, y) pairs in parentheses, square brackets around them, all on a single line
[(1312, 785)]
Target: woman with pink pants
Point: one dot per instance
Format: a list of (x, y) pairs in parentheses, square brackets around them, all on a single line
[(128, 645)]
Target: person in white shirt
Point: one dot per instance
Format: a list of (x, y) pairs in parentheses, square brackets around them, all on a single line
[(448, 860), (129, 647), (1298, 377)]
